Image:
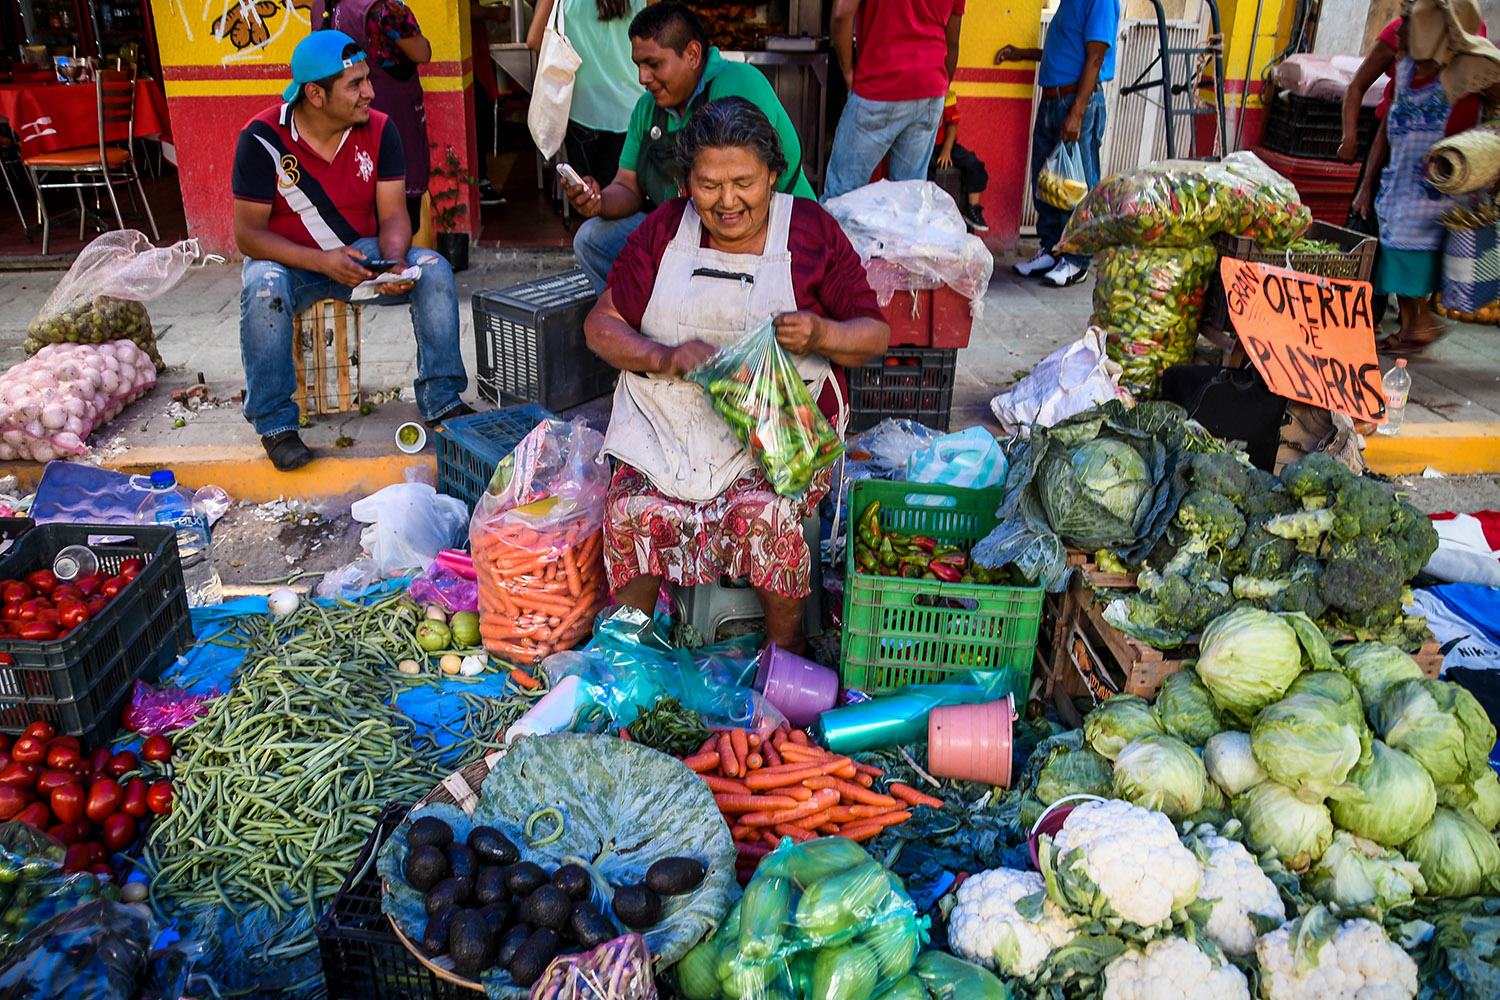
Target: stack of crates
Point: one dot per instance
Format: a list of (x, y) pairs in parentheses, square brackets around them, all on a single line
[(530, 346)]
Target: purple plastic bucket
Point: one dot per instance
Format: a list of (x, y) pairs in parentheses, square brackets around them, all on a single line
[(799, 688)]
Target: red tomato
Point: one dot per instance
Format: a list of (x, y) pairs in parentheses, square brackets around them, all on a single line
[(37, 814), (12, 801), (67, 592), (50, 615), (99, 761), (132, 565), (87, 585), (4, 760), (96, 604), (33, 607), (101, 869), (18, 775), (119, 831), (43, 581), (105, 796), (65, 741), (78, 858), (111, 588), (73, 613), (62, 756), (159, 797), (15, 590), (135, 798), (67, 803), (4, 742), (30, 749), (123, 763), (54, 778), (41, 729), (12, 611), (156, 749), (68, 833), (37, 631)]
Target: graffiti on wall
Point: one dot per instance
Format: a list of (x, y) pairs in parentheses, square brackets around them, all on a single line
[(244, 29)]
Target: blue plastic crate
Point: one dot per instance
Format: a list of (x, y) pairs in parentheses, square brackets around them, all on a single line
[(470, 447)]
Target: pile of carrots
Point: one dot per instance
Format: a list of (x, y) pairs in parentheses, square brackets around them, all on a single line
[(538, 590), (781, 785)]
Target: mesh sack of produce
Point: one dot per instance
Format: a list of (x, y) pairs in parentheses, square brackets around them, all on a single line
[(51, 403), (538, 543), (820, 918), (100, 298), (1148, 301), (755, 386), (1182, 203)]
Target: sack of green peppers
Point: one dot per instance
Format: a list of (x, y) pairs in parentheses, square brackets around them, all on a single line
[(1181, 203), (819, 919), (33, 886), (755, 386), (880, 552), (95, 322), (1149, 301)]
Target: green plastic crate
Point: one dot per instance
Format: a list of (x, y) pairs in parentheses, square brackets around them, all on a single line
[(899, 632)]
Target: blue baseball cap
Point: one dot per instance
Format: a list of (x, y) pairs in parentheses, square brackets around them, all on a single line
[(317, 57)]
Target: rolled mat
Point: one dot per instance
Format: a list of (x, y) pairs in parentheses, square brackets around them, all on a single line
[(1468, 161)]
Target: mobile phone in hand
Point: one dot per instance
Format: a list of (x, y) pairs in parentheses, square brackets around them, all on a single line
[(567, 173), (379, 264)]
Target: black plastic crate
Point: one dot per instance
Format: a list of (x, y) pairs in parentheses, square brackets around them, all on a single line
[(1313, 128), (915, 383), (470, 447), (79, 682), (362, 957), (530, 346), (1354, 259)]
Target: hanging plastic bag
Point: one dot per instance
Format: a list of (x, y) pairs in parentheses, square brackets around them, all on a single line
[(538, 543), (755, 386), (970, 458), (100, 297), (1149, 302), (1069, 380), (1062, 182), (616, 970), (408, 524), (51, 403)]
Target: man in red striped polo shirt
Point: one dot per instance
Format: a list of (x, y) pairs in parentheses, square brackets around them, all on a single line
[(319, 194)]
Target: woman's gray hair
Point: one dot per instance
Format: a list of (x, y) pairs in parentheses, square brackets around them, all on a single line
[(725, 123)]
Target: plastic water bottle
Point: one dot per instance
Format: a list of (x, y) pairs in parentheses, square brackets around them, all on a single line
[(1397, 384), (166, 507)]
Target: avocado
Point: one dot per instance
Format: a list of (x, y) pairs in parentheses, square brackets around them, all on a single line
[(461, 861), (573, 880), (492, 846), (471, 942), (531, 959), (497, 915), (589, 926), (429, 830), (449, 892), (523, 878), (510, 942), (547, 907), (489, 886), (675, 876), (435, 937), (426, 866), (637, 906)]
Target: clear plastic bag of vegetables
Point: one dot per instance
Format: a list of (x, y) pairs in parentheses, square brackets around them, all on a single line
[(33, 886), (819, 919), (1181, 203), (101, 950), (755, 386), (51, 403), (1062, 182), (1148, 301), (101, 296), (616, 970)]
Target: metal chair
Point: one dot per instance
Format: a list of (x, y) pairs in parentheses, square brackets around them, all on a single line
[(106, 166)]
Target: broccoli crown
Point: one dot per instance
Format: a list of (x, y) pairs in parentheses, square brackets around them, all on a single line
[(1266, 497), (1222, 473), (1303, 590), (1192, 600), (1361, 575), (1262, 554), (1361, 506), (1211, 517), (1413, 536), (1314, 477)]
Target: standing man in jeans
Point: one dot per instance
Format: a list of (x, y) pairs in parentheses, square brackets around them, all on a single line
[(1079, 54), (908, 50)]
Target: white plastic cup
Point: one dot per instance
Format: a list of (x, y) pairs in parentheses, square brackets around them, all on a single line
[(419, 442), (75, 561)]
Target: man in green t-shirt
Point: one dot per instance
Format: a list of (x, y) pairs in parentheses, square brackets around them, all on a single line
[(681, 73)]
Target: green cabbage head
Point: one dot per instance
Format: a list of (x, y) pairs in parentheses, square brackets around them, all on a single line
[(1276, 820), (1093, 493), (1161, 773), (1306, 743), (1392, 797), (1073, 772), (1481, 797), (1186, 709), (1441, 725), (1118, 721), (1375, 667), (1247, 659), (1358, 874), (1458, 857), (1336, 688), (1230, 763)]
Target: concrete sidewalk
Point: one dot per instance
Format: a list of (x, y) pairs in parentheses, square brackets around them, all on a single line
[(1455, 392)]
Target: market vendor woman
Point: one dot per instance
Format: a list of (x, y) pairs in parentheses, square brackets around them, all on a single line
[(688, 503)]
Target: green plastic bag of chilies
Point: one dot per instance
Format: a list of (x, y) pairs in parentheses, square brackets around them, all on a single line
[(1149, 301), (755, 386), (818, 919)]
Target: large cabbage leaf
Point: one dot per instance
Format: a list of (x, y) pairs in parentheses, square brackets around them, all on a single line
[(1438, 723), (1359, 875), (1392, 797), (1306, 743), (1186, 709), (1247, 660), (1277, 820), (1375, 668), (1119, 720), (1458, 857), (1161, 773)]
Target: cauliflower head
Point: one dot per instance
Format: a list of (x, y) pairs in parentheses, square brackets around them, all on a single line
[(1234, 886), (986, 928), (1172, 969), (1120, 863), (1316, 957)]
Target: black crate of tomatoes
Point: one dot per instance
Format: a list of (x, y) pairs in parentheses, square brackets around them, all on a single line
[(95, 802), (71, 652)]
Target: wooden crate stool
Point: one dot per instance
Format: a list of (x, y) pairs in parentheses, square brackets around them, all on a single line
[(328, 380)]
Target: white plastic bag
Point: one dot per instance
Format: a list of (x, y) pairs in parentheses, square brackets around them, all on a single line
[(52, 402), (408, 524), (552, 89), (1062, 182), (1069, 380), (970, 458)]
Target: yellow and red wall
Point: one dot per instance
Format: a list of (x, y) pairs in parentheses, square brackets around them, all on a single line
[(225, 60)]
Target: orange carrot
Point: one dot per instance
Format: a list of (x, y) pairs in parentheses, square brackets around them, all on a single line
[(741, 748), (799, 792), (724, 786), (824, 799), (862, 795), (754, 762), (702, 762), (728, 763), (770, 838), (523, 679), (712, 743), (828, 829), (797, 834), (908, 794), (754, 740), (772, 755), (753, 803), (863, 779), (768, 777), (811, 755), (740, 832), (798, 736), (846, 814), (866, 829), (821, 781), (869, 769)]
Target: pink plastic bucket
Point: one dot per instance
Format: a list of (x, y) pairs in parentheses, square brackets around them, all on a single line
[(971, 742), (799, 688)]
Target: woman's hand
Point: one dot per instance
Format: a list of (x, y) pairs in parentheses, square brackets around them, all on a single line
[(1363, 200), (801, 332), (685, 357)]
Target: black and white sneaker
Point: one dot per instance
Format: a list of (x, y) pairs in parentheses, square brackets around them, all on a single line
[(1064, 274), (1036, 266), (974, 216), (488, 195)]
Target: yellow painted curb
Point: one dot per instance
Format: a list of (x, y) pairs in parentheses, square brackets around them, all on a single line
[(247, 474), (1453, 448)]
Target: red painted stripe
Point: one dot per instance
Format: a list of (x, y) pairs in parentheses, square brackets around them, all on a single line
[(247, 71), (1235, 86), (985, 74)]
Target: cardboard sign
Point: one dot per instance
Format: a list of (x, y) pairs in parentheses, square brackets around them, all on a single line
[(1311, 338)]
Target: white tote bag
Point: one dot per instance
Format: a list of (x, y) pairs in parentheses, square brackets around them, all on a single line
[(552, 91)]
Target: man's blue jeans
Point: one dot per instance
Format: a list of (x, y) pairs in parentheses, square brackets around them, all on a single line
[(868, 130), (599, 241), (271, 294), (1050, 114)]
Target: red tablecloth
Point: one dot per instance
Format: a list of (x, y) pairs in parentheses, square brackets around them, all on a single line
[(53, 116)]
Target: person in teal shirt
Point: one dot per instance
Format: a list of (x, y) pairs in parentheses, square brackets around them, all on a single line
[(681, 73)]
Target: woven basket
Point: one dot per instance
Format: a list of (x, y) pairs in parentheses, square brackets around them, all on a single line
[(461, 788), (1465, 162)]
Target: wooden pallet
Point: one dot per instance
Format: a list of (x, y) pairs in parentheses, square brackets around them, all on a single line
[(325, 356)]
